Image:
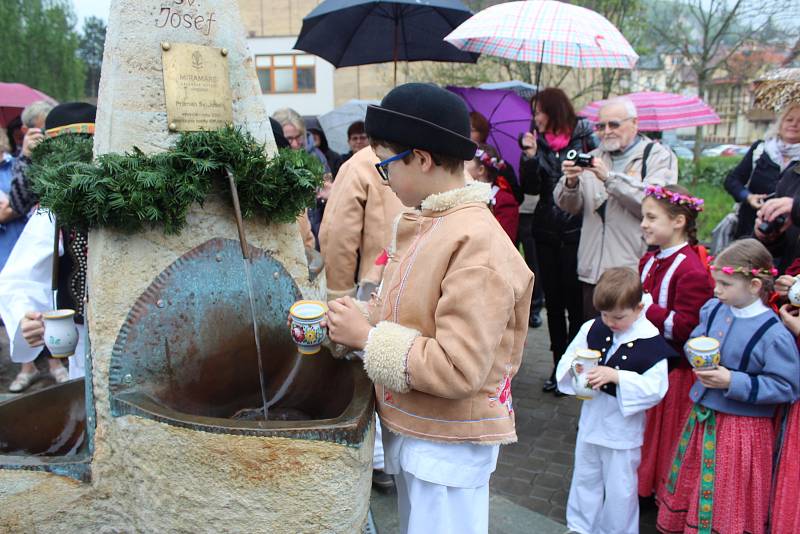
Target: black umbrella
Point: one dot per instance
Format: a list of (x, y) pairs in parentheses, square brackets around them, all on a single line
[(347, 33)]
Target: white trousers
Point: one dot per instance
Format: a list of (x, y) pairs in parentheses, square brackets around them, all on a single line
[(603, 496), (426, 508), (377, 453)]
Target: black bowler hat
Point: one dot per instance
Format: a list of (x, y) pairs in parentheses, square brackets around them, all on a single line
[(424, 116), (71, 117)]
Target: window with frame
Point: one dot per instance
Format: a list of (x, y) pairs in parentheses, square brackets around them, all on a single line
[(286, 73)]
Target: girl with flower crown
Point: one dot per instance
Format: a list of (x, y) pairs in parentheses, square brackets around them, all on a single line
[(720, 477), (486, 167), (676, 284)]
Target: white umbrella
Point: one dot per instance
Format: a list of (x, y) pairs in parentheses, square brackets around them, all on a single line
[(335, 122), (525, 90)]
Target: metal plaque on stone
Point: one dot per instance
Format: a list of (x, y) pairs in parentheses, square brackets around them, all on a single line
[(196, 86)]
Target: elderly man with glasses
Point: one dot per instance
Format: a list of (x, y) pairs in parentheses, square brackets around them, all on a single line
[(609, 193)]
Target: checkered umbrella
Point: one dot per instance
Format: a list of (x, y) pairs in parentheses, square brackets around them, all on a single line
[(545, 31), (662, 111)]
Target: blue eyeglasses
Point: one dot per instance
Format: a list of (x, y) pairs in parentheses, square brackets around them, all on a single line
[(383, 166)]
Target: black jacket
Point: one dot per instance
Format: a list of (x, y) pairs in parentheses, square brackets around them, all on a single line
[(787, 246), (539, 176), (764, 179)]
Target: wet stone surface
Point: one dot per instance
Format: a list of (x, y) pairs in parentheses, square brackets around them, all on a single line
[(534, 473)]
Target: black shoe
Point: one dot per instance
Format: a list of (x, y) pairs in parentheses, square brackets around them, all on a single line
[(549, 385), (382, 481), (557, 393), (535, 321)]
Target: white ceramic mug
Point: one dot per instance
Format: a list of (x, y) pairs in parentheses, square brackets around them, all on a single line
[(794, 293), (60, 333), (585, 360), (703, 352)]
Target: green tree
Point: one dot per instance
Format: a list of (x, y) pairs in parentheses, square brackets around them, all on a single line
[(40, 47), (92, 42), (708, 33)]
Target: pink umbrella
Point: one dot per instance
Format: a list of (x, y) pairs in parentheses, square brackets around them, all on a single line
[(14, 97), (662, 111)]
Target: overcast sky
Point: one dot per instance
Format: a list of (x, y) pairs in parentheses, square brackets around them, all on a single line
[(91, 8)]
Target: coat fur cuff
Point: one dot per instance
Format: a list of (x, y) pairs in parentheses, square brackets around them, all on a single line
[(334, 294), (386, 355)]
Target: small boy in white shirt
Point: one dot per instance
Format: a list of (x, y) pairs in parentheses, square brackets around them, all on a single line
[(631, 378)]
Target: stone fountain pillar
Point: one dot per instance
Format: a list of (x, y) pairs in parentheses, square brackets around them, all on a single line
[(154, 473)]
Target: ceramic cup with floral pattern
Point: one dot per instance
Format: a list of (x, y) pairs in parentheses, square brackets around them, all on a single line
[(305, 317), (60, 332), (703, 352)]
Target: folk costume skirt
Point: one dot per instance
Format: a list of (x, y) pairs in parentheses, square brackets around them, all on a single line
[(662, 430), (721, 475), (785, 513)]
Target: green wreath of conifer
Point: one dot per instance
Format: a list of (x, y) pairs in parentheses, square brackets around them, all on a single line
[(135, 190)]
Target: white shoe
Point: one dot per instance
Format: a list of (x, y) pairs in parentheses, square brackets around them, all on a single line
[(59, 374), (23, 381)]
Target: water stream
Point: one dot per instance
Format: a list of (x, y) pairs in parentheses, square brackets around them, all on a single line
[(251, 293), (286, 383)]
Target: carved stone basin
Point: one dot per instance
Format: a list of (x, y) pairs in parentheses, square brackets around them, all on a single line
[(186, 354)]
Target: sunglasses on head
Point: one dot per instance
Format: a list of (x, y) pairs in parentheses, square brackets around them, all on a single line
[(612, 125)]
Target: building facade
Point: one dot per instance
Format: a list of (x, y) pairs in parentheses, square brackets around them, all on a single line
[(292, 78)]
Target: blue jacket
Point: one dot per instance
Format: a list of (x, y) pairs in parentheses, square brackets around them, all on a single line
[(9, 232), (761, 355)]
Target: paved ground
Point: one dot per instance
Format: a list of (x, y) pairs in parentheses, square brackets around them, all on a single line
[(536, 471), (532, 479)]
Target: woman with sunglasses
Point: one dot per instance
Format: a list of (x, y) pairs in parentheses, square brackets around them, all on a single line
[(555, 232)]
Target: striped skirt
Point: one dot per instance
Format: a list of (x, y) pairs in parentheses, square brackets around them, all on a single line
[(722, 482), (785, 516)]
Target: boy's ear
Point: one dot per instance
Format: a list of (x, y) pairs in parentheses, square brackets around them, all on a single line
[(639, 307), (425, 159)]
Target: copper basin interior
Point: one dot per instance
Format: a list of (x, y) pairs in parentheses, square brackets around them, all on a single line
[(186, 355), (49, 422)]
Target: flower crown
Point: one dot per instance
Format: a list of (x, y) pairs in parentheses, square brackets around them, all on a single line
[(489, 161), (727, 269), (656, 191)]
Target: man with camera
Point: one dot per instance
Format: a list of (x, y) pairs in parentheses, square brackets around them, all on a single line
[(607, 187)]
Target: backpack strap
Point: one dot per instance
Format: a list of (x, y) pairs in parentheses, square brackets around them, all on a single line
[(711, 317), (645, 155), (753, 340)]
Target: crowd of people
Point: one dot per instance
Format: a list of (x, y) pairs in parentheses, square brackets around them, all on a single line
[(420, 226)]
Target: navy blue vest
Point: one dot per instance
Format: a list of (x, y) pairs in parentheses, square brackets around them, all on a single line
[(638, 355)]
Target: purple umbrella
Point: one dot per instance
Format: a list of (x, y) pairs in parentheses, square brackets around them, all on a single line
[(508, 114)]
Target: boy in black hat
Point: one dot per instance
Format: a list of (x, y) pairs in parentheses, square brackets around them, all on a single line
[(26, 280), (443, 334)]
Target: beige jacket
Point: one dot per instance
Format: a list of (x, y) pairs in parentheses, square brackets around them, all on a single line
[(357, 223), (451, 320), (617, 240)]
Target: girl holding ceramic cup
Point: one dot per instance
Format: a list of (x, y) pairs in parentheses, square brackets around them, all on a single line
[(676, 284), (724, 456)]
